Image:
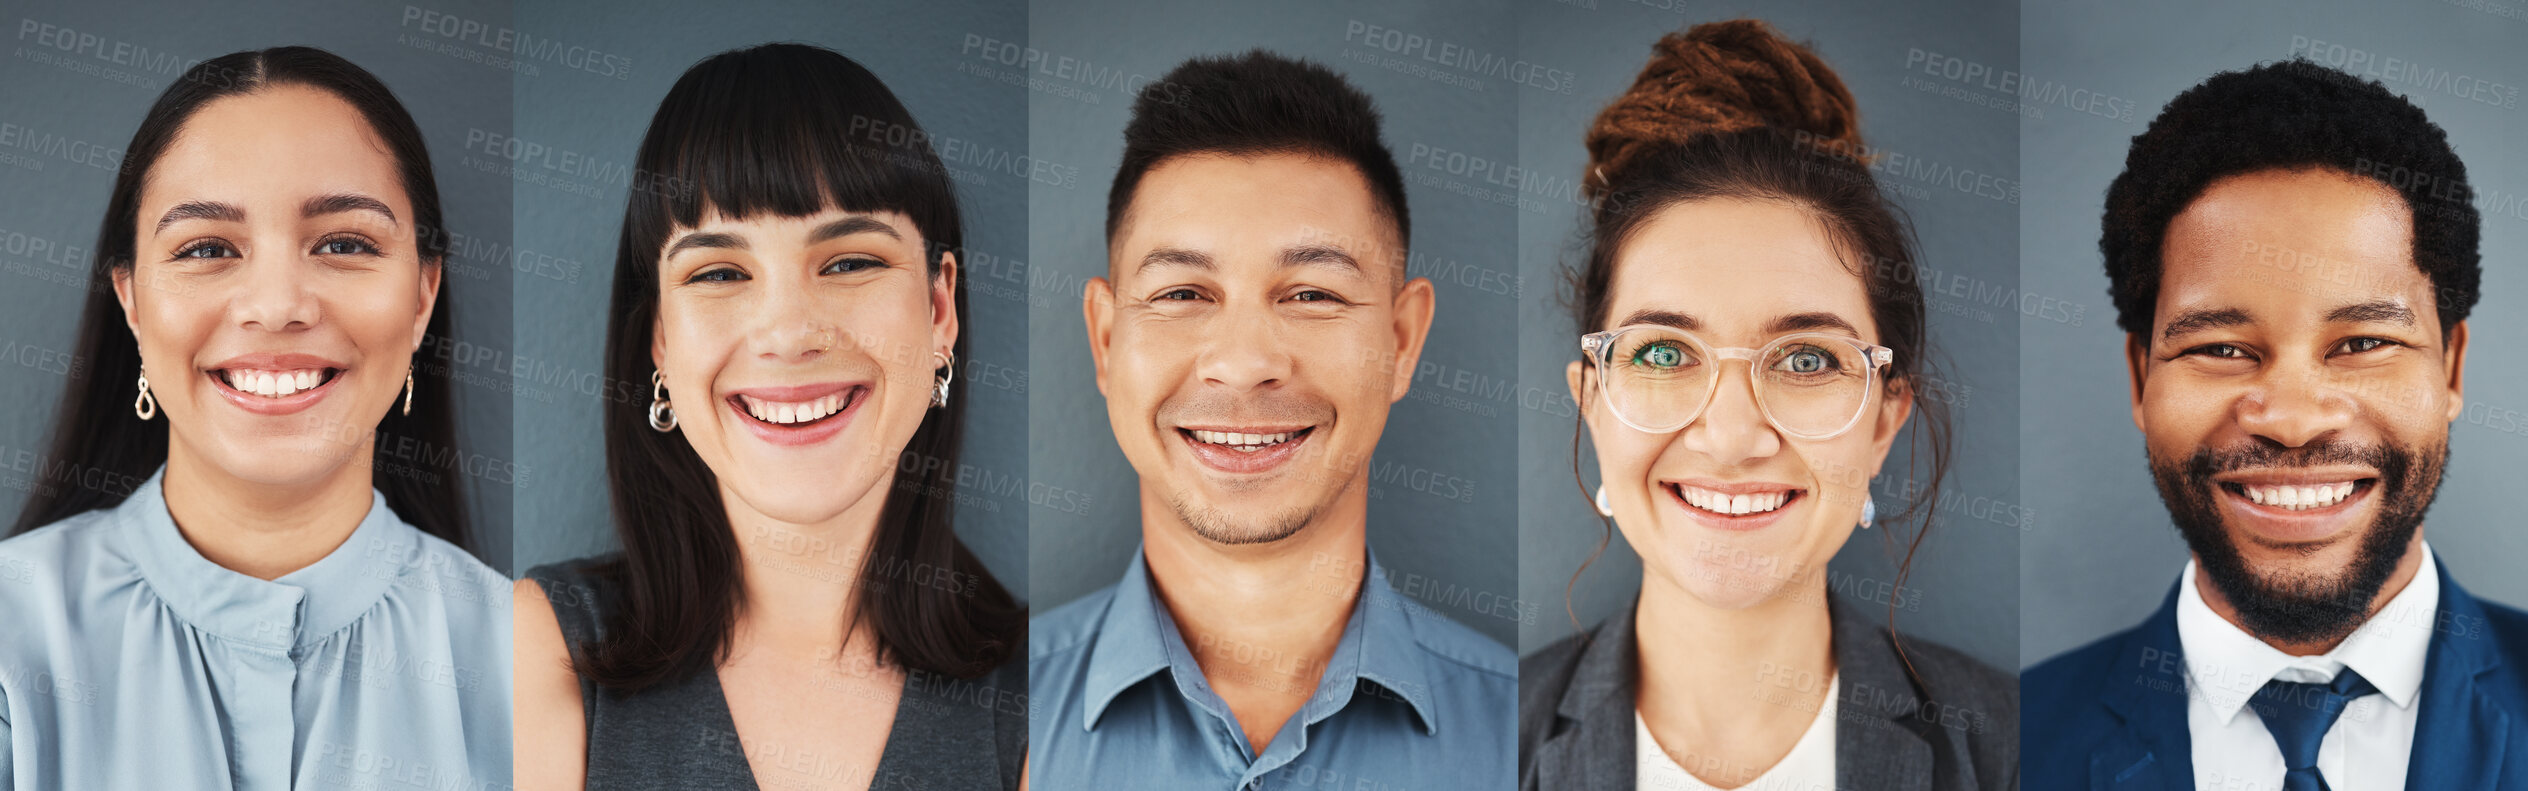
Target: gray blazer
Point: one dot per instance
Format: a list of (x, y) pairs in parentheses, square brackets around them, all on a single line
[(1953, 723)]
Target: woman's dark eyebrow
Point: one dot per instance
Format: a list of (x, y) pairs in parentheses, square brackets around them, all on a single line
[(852, 225), (1812, 320), (715, 241), (1664, 318), (322, 205), (200, 210)]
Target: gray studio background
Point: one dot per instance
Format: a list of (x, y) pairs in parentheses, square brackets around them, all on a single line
[(1444, 480), (2102, 553), (69, 113), (1950, 163), (570, 214)]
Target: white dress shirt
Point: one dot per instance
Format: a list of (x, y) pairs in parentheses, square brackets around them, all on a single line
[(1809, 766), (2367, 748)]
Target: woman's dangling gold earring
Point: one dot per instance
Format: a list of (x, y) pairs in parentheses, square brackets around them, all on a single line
[(662, 414), (146, 406), (408, 389)]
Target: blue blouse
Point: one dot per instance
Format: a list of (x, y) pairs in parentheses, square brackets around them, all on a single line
[(128, 661)]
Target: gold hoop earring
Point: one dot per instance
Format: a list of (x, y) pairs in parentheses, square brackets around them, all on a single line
[(146, 406), (408, 389), (662, 414), (939, 389)]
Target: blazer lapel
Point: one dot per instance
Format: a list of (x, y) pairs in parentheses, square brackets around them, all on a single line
[(1593, 745), (2146, 690), (2461, 733), (1876, 745)]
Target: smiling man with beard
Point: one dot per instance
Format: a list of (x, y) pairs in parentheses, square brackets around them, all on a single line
[(1254, 327), (2292, 253)]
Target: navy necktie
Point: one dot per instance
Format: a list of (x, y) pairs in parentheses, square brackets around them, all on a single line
[(2298, 715)]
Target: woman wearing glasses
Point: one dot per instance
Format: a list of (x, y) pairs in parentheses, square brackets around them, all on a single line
[(1751, 348)]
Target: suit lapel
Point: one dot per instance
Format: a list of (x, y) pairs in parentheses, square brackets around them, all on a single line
[(2461, 733), (1593, 743), (1876, 745), (2146, 689)]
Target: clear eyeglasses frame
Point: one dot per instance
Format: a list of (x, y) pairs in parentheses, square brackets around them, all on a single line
[(1806, 404)]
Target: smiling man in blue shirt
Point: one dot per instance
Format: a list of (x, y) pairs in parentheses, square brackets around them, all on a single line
[(1254, 327)]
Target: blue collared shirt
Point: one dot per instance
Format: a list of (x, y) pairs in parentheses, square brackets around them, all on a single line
[(1409, 700), (129, 661)]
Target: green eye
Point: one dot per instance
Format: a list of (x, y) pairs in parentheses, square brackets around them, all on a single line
[(1659, 354)]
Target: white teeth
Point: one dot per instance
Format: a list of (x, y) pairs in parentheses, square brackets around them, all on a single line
[(791, 412), (2299, 498), (272, 384), (1733, 504), (1244, 442)]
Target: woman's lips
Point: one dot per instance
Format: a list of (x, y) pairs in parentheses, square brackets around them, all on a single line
[(797, 415), (274, 391), (1245, 450), (1733, 506)]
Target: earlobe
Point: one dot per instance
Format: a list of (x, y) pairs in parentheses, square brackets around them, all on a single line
[(1414, 309), (2137, 366), (658, 342), (1097, 309), (943, 304), (2455, 357), (123, 295), (431, 277)]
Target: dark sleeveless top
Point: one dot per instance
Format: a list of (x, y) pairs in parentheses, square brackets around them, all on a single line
[(949, 733)]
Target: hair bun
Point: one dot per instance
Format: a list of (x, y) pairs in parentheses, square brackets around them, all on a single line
[(1717, 78)]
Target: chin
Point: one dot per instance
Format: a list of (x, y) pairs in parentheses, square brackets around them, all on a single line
[(802, 498), (1724, 579), (274, 464)]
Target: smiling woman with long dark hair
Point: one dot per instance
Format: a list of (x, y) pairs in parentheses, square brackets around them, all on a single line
[(791, 607), (239, 571)]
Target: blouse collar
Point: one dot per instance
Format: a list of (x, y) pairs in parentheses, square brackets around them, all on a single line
[(280, 615)]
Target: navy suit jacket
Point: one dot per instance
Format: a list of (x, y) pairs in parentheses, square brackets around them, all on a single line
[(2112, 714)]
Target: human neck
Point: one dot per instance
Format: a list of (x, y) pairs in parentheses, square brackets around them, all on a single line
[(258, 529), (2406, 568), (1697, 662), (1262, 620), (800, 582)]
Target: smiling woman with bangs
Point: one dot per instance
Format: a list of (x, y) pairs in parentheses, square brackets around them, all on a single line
[(787, 285)]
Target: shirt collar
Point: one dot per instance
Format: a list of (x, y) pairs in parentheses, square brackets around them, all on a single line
[(298, 609), (1138, 638), (2225, 665)]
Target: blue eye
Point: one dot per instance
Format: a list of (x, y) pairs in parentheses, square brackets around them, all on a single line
[(719, 275), (1808, 361), (1178, 295)]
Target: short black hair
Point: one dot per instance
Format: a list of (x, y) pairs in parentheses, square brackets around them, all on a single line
[(1253, 104), (2289, 115)]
